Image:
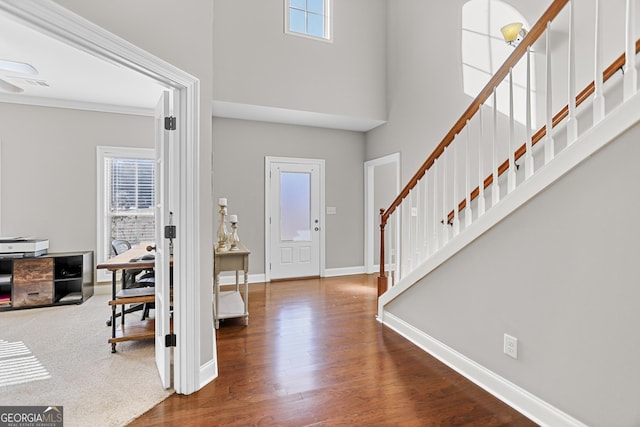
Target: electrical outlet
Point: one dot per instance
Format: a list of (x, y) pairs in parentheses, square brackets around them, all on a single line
[(414, 211), (511, 346)]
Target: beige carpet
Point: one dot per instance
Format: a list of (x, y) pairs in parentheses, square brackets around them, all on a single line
[(69, 343)]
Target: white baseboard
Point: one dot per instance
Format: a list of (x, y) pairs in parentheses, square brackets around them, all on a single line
[(521, 400), (344, 271), (230, 278), (208, 373)]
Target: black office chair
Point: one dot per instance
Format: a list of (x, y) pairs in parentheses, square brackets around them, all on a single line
[(133, 278)]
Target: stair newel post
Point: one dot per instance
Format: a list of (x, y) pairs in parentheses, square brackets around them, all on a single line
[(511, 174), (598, 95), (549, 144), (630, 73), (572, 121), (495, 189), (468, 212), (481, 201), (528, 159), (456, 208), (382, 277)]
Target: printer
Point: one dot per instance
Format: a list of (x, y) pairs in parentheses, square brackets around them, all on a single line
[(21, 247)]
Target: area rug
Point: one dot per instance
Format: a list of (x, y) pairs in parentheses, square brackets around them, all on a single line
[(67, 361)]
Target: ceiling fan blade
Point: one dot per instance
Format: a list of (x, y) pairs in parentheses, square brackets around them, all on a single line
[(8, 87), (17, 67)]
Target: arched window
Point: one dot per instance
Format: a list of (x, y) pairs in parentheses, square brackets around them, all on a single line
[(484, 51)]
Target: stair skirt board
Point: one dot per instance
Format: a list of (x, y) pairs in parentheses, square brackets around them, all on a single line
[(521, 400)]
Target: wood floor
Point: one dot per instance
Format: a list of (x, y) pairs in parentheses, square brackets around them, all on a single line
[(313, 354)]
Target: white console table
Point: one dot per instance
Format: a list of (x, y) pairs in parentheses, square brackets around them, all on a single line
[(234, 303)]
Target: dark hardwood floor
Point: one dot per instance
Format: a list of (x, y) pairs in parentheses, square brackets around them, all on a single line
[(313, 354)]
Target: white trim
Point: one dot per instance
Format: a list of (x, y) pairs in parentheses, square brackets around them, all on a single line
[(328, 23), (524, 402), (614, 124), (267, 209), (344, 271), (55, 21), (75, 105), (103, 151), (208, 372), (369, 189)]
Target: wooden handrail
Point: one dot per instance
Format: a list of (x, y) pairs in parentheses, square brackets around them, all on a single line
[(532, 36), (542, 132)]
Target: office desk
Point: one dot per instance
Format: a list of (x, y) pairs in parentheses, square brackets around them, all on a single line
[(143, 329), (229, 304)]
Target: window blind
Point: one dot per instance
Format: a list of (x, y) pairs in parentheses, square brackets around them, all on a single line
[(130, 200)]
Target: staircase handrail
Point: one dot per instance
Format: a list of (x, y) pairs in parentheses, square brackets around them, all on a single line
[(531, 37)]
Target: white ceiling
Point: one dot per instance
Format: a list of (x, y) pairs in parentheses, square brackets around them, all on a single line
[(69, 77)]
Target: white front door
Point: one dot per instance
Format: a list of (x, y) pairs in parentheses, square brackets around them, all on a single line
[(162, 303), (294, 218)]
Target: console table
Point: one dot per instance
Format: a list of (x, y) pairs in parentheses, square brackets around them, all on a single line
[(230, 304)]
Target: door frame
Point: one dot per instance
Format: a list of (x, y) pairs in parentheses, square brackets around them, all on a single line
[(58, 22), (370, 265), (268, 160)]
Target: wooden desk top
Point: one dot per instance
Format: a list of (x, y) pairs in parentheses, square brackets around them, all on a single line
[(123, 261)]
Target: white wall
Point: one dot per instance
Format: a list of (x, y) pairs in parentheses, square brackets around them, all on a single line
[(560, 275), (256, 63), (49, 170)]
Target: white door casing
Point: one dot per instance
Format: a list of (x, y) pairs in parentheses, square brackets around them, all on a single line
[(387, 169), (294, 218)]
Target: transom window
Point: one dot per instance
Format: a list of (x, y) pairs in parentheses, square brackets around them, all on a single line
[(308, 18)]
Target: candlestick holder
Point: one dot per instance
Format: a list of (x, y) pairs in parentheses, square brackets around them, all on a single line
[(233, 237), (223, 235)]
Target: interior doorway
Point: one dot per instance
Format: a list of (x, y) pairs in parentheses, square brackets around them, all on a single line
[(57, 22), (381, 185)]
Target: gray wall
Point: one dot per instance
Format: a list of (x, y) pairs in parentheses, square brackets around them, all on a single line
[(560, 275), (49, 170), (256, 63), (240, 147)]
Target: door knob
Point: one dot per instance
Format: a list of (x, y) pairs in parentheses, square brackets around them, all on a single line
[(317, 229)]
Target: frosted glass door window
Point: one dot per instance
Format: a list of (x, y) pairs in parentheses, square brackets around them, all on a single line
[(295, 206)]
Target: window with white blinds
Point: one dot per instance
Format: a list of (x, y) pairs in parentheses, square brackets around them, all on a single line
[(126, 203), (131, 199)]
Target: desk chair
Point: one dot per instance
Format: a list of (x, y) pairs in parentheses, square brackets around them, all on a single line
[(133, 279)]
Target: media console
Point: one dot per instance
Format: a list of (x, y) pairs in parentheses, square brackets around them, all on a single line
[(52, 279)]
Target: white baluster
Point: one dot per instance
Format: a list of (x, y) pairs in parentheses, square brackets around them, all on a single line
[(598, 94), (445, 214), (425, 217), (528, 158), (456, 209), (630, 72), (549, 144), (436, 226), (495, 189), (511, 175), (468, 212), (481, 201), (572, 121)]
